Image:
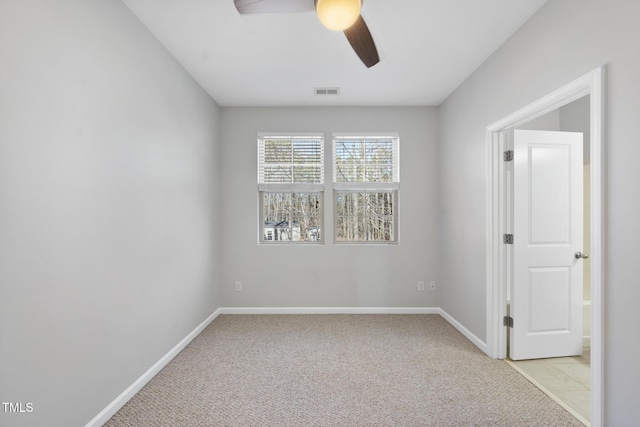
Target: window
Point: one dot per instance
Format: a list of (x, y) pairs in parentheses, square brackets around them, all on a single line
[(290, 188), (365, 184)]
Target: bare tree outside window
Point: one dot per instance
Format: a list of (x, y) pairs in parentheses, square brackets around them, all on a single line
[(292, 216)]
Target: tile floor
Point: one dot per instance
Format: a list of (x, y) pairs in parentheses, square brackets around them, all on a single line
[(565, 378)]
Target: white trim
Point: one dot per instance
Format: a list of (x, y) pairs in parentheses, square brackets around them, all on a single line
[(291, 135), (137, 385), (589, 84), (586, 339), (370, 135), (330, 310), (464, 331), (366, 186), (597, 177), (291, 188)]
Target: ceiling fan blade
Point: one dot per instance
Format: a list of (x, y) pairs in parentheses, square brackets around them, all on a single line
[(273, 6), (361, 41)]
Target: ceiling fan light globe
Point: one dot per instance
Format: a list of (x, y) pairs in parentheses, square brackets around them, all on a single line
[(338, 15)]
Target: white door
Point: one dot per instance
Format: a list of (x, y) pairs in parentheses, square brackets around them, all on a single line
[(546, 282)]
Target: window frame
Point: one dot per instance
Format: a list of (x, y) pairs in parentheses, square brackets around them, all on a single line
[(392, 187), (290, 187)]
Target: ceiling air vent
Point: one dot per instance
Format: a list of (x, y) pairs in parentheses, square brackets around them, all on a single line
[(327, 90)]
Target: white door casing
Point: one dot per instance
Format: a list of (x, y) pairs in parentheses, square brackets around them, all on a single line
[(593, 84), (546, 282)]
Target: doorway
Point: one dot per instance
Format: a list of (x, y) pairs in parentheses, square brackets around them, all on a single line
[(565, 377), (496, 280)]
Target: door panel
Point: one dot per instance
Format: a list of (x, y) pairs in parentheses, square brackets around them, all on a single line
[(549, 299), (549, 210), (546, 282)]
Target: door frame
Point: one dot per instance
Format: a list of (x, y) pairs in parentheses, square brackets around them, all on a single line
[(590, 84)]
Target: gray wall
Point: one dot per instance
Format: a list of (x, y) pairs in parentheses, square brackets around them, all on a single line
[(108, 206), (330, 275), (564, 40), (574, 117), (550, 121)]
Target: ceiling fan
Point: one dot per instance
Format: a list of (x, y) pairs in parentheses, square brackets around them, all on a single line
[(337, 15)]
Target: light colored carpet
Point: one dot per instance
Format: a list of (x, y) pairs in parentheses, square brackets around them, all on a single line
[(337, 370)]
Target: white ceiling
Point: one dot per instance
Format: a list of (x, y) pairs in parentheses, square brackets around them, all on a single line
[(427, 49)]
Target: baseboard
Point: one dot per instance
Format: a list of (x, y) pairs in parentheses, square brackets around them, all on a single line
[(330, 310), (464, 331), (124, 397)]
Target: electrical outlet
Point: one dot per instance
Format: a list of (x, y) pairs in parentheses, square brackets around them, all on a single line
[(238, 286), (421, 285), (432, 285)]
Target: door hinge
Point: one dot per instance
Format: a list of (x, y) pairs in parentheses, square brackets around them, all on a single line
[(508, 155), (507, 239), (508, 321)]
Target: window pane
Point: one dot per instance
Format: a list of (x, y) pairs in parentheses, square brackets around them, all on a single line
[(364, 159), (277, 174), (307, 174), (379, 229), (277, 151), (380, 204), (379, 173), (349, 173), (349, 160), (277, 210), (364, 216), (307, 152), (306, 215), (350, 228), (290, 160), (379, 216), (291, 216)]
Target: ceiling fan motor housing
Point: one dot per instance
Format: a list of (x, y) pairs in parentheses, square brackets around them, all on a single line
[(338, 15)]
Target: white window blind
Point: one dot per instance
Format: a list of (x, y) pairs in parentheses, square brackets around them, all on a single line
[(291, 161), (366, 159)]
